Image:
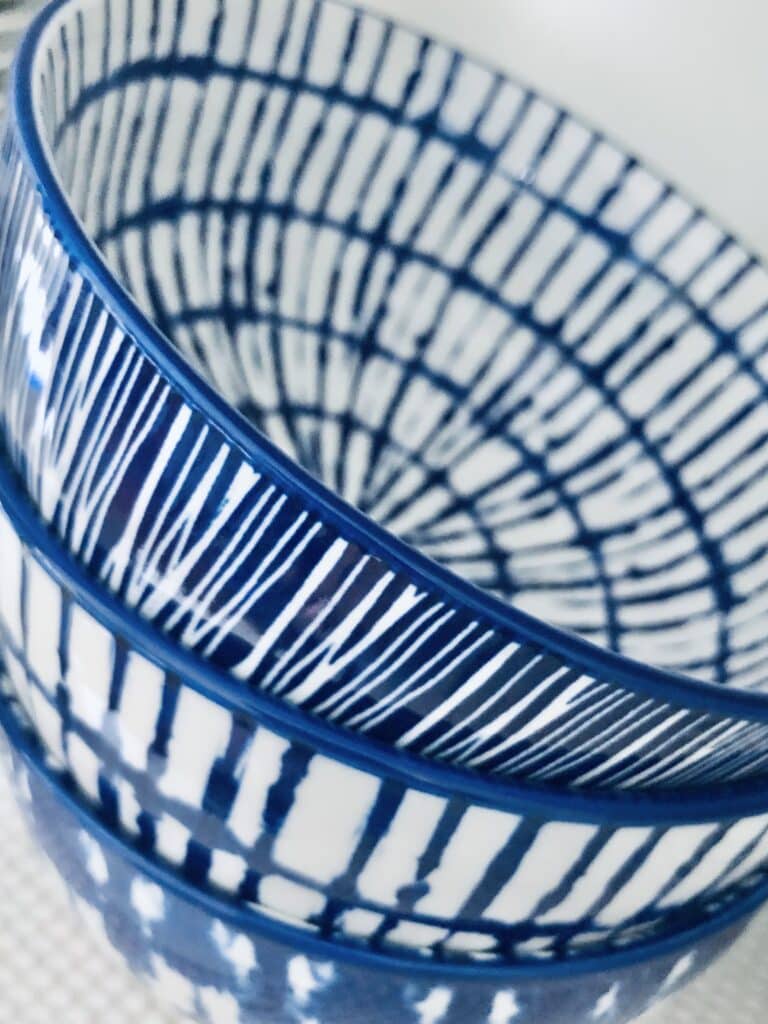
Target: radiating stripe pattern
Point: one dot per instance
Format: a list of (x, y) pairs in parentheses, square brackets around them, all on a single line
[(306, 837), (216, 972), (472, 318)]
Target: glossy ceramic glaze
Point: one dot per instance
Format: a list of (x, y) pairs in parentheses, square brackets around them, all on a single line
[(223, 965), (282, 811), (361, 263)]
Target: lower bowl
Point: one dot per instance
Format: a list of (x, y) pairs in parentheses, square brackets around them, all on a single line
[(222, 964)]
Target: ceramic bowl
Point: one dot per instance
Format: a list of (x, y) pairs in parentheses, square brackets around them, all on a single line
[(389, 388), (223, 965), (281, 810)]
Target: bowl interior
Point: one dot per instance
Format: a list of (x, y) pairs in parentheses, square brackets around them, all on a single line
[(480, 323)]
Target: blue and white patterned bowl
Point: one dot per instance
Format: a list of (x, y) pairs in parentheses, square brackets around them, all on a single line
[(250, 795), (375, 379), (225, 965)]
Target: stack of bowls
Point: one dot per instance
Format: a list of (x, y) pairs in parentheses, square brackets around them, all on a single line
[(383, 530)]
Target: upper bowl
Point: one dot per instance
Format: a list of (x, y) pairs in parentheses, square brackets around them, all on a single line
[(253, 255)]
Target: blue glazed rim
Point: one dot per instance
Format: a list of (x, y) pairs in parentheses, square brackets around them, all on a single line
[(250, 920), (678, 805), (724, 803)]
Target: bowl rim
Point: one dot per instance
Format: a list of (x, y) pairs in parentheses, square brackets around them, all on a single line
[(25, 745), (351, 523), (722, 804)]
